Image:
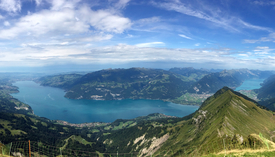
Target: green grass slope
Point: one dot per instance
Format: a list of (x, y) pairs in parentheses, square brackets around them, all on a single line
[(227, 115)]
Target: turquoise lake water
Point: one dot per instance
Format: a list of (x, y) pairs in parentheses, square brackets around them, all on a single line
[(250, 84), (50, 102)]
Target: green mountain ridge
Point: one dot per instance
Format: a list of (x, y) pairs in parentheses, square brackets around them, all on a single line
[(226, 115)]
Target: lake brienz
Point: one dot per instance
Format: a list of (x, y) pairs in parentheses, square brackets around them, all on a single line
[(250, 84), (50, 102)]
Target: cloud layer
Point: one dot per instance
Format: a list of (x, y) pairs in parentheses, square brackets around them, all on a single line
[(55, 32)]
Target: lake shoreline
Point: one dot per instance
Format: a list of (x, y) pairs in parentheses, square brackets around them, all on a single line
[(50, 102)]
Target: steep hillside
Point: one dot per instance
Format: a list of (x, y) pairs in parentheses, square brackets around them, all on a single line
[(267, 91), (231, 78), (227, 115), (64, 81), (134, 83), (266, 94), (88, 137), (7, 102)]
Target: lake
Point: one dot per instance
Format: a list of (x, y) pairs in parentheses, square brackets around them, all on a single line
[(50, 102), (250, 84)]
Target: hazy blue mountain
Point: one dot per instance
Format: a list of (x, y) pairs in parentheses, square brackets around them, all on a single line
[(191, 73), (231, 78)]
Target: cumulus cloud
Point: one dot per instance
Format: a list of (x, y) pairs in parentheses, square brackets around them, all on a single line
[(104, 20), (66, 21), (6, 23), (12, 6), (54, 22)]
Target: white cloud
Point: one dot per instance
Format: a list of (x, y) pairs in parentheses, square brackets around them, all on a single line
[(52, 22), (38, 2), (184, 36), (210, 14), (60, 4), (67, 53), (150, 44), (66, 21), (104, 20), (149, 20), (264, 3), (197, 44), (250, 41), (150, 24), (121, 4), (93, 38), (13, 6), (187, 10), (262, 50), (244, 55), (262, 47), (269, 38), (247, 25), (129, 36), (6, 23)]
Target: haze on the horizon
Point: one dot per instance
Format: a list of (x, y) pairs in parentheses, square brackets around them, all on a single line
[(99, 34)]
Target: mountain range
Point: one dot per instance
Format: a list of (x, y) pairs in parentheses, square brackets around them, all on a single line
[(179, 85), (227, 120), (232, 78)]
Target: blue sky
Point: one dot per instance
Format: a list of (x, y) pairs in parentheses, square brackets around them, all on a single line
[(95, 34)]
